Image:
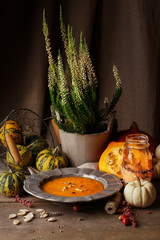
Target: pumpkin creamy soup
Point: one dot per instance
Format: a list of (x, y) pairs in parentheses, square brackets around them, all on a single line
[(72, 186)]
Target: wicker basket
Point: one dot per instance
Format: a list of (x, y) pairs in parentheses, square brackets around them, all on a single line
[(31, 124)]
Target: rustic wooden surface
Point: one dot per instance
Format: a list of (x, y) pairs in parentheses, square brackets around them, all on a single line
[(95, 224)]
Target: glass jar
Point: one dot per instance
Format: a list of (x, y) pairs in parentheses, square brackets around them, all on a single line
[(137, 159)]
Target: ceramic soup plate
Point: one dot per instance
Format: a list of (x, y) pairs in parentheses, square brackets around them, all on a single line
[(112, 184)]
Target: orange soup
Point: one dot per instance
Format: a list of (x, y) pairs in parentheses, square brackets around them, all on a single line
[(72, 186)]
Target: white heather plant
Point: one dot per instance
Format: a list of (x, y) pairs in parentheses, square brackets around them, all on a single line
[(74, 89)]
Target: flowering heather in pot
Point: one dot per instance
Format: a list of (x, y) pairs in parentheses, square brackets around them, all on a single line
[(74, 89)]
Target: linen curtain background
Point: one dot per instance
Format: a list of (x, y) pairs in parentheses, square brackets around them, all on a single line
[(124, 32)]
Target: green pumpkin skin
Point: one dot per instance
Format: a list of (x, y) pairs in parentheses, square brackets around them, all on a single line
[(26, 158), (49, 159), (12, 128), (36, 144), (11, 183)]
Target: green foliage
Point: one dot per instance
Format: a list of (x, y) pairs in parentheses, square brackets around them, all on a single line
[(73, 89)]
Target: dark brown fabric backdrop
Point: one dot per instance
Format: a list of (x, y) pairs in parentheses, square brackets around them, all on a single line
[(124, 32)]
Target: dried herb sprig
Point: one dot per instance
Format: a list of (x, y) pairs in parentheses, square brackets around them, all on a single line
[(128, 217), (23, 201)]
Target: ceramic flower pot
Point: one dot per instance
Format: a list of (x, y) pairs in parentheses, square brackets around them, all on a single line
[(85, 148)]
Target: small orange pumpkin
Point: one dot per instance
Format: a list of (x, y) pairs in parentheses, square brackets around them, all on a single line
[(111, 159)]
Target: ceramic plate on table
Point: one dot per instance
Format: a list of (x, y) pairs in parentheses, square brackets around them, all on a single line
[(112, 184)]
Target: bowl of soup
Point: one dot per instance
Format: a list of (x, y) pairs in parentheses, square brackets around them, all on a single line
[(70, 185)]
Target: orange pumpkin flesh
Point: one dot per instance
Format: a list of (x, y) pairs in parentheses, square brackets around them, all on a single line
[(111, 159)]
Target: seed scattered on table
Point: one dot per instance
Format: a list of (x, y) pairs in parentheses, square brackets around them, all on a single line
[(26, 210), (28, 217), (43, 214), (39, 210), (22, 212), (80, 219), (52, 219), (13, 215), (16, 222)]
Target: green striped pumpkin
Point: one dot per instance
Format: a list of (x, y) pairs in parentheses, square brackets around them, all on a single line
[(26, 158), (36, 144), (11, 183), (12, 128), (49, 159)]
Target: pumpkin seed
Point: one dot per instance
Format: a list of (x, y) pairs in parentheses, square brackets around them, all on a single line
[(28, 217), (64, 189), (26, 210), (40, 210), (80, 219), (44, 215), (120, 151), (77, 189), (16, 222), (22, 212), (67, 183), (111, 156), (13, 215), (111, 162), (41, 213), (52, 219)]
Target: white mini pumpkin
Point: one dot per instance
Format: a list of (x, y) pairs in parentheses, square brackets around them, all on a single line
[(157, 152), (140, 193), (156, 168)]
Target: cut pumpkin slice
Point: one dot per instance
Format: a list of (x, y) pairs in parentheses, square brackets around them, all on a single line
[(111, 159)]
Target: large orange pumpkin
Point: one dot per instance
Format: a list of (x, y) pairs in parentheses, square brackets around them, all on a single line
[(121, 135), (111, 159)]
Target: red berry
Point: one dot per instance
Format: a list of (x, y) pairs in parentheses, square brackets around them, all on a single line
[(125, 220), (76, 208)]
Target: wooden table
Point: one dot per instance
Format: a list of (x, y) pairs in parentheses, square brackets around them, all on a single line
[(92, 223)]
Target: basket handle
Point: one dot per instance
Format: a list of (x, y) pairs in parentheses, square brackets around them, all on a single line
[(13, 148)]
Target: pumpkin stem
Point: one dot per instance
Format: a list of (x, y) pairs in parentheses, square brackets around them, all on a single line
[(56, 150), (134, 125), (10, 170), (30, 145), (138, 179)]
